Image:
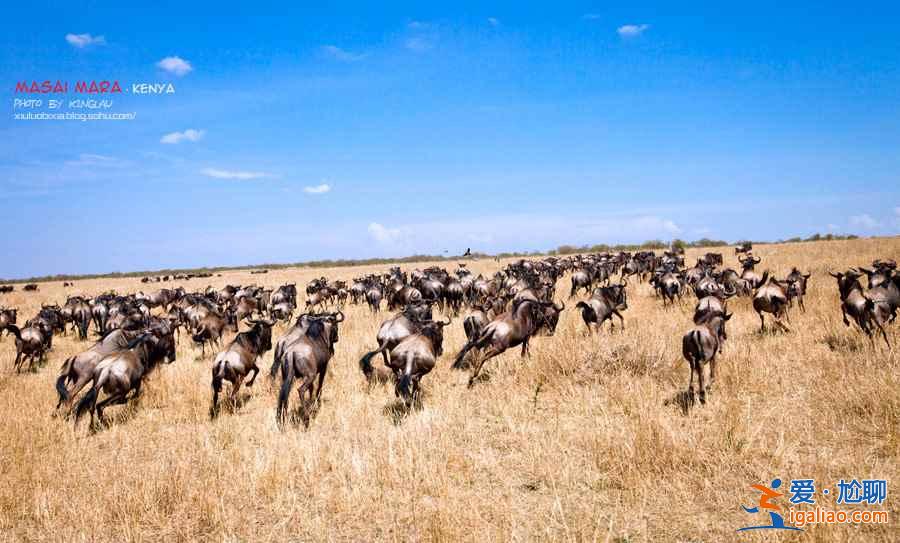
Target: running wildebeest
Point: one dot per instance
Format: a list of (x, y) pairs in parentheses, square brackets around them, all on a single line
[(415, 356), (239, 359), (771, 297), (307, 359), (122, 372), (603, 304), (508, 330), (701, 345), (31, 343), (78, 370)]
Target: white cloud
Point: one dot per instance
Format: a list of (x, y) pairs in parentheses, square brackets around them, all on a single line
[(318, 189), (864, 221), (382, 234), (83, 40), (417, 44), (175, 65), (343, 55), (188, 135), (87, 159), (630, 31), (493, 21), (229, 174)]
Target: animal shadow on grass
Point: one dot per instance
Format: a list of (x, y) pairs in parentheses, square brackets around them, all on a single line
[(120, 415), (682, 400), (230, 407), (299, 418), (398, 410)]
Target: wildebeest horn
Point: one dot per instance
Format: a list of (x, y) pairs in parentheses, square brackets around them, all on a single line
[(341, 313), (624, 282), (449, 320), (560, 308), (756, 260)]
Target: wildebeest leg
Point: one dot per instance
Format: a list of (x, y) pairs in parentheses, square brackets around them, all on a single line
[(79, 384), (701, 382), (525, 348), (255, 370), (844, 315), (621, 318), (491, 353), (319, 386), (236, 386), (712, 372), (883, 333), (690, 398), (114, 399), (18, 361), (305, 392), (762, 322)]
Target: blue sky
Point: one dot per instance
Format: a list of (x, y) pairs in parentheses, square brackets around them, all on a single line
[(353, 130)]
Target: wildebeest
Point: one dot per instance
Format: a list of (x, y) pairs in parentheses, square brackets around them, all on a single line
[(391, 332), (415, 356), (797, 281), (31, 287), (771, 297), (700, 345), (211, 328), (31, 343), (239, 359), (744, 247), (508, 330), (78, 370), (603, 304), (747, 265), (307, 359), (7, 316), (855, 303), (124, 371)]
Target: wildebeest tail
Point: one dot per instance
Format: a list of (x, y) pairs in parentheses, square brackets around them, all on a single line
[(86, 403), (365, 363), (288, 381), (65, 372)]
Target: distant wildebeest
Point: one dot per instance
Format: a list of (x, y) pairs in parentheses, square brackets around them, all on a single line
[(307, 360), (744, 247), (603, 304), (122, 372), (211, 328), (31, 287), (701, 345), (239, 359)]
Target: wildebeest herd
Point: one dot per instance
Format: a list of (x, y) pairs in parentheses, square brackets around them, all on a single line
[(518, 303)]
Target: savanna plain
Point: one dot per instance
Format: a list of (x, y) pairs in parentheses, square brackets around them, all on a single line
[(584, 441)]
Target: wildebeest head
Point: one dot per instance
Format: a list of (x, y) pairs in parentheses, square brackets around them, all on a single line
[(716, 324), (262, 329), (434, 331), (847, 282)]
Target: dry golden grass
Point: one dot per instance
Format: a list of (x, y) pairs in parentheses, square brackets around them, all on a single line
[(580, 442)]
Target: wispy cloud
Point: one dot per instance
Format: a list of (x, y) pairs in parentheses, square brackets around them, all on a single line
[(175, 65), (417, 25), (590, 16), (83, 40), (630, 31), (865, 221), (493, 21), (318, 189), (87, 159), (418, 44), (233, 174), (382, 234), (343, 55), (188, 135)]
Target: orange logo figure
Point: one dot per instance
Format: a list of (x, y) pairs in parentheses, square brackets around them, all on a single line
[(767, 494)]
